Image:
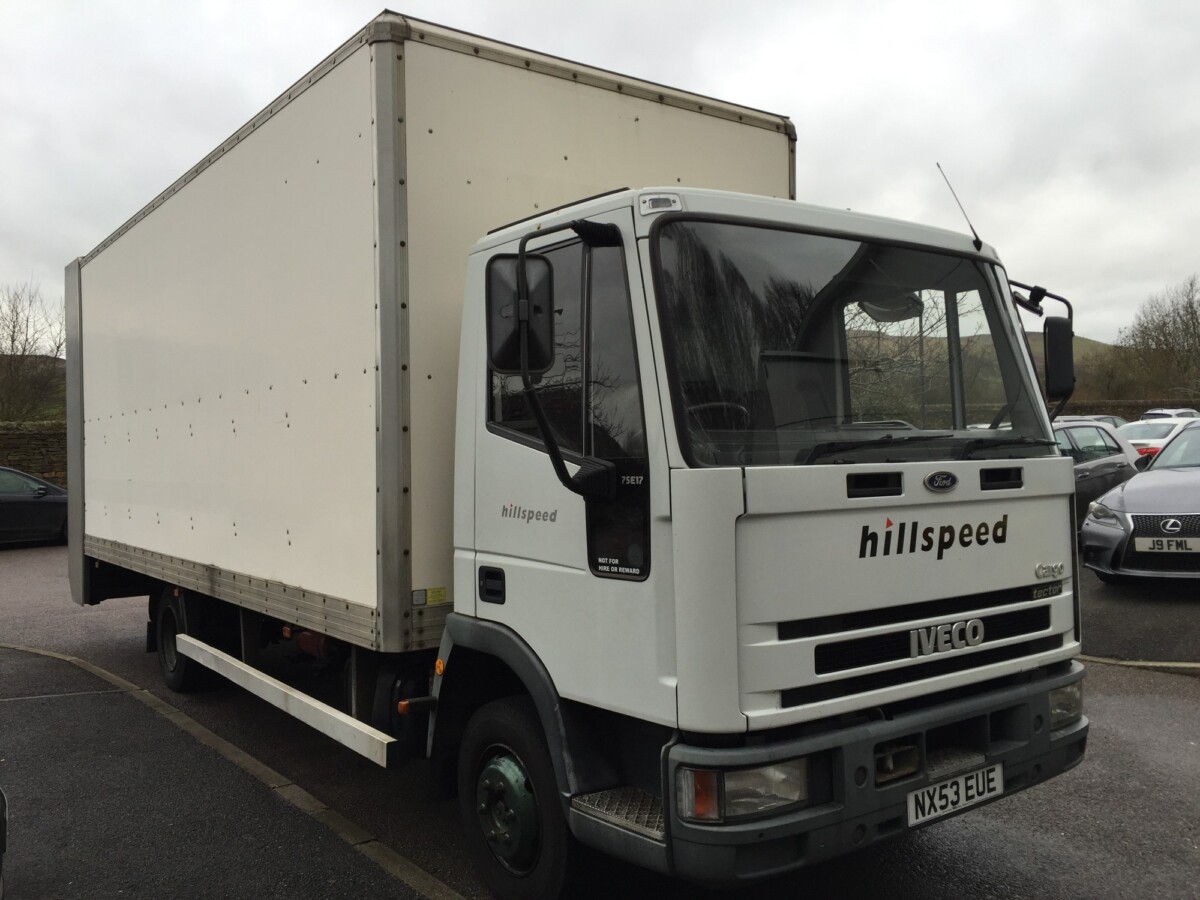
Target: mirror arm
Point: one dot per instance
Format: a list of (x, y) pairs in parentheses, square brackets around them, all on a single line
[(596, 478)]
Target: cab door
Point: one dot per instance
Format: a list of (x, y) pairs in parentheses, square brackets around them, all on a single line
[(582, 581)]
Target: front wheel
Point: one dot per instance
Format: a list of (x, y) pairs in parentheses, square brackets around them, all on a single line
[(507, 794)]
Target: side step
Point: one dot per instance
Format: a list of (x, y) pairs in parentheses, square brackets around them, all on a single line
[(375, 745), (625, 822), (629, 808)]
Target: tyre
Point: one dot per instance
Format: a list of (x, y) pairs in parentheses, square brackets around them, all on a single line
[(515, 830), (180, 674)]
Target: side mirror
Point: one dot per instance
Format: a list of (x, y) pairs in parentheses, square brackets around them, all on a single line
[(503, 319), (1058, 344), (1143, 463)]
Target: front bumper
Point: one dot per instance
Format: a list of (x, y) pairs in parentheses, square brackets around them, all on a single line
[(1106, 549), (1008, 725)]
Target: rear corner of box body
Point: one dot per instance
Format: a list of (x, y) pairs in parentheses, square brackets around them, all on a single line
[(231, 365)]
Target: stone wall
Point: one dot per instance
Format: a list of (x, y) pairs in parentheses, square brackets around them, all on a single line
[(39, 448)]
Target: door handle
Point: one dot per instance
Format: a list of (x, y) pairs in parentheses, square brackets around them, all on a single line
[(491, 584)]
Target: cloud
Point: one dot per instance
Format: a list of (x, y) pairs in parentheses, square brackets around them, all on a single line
[(1068, 129)]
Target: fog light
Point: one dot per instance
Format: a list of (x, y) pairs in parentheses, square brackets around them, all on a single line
[(1066, 705), (709, 795)]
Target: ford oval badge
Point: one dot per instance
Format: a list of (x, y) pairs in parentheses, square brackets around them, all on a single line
[(941, 482)]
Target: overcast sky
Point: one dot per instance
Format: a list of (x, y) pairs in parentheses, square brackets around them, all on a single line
[(1071, 130)]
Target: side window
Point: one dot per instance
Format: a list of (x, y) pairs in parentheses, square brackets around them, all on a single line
[(12, 483), (593, 399), (1091, 442)]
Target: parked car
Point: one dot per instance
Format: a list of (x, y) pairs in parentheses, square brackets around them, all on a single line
[(1102, 458), (1182, 412), (1114, 421), (1150, 525), (30, 509), (1148, 436)]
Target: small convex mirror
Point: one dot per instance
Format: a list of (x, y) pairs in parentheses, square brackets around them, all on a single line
[(1058, 344), (503, 323)]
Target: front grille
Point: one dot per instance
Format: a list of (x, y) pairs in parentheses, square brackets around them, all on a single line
[(891, 615), (799, 696), (857, 653), (1147, 526)]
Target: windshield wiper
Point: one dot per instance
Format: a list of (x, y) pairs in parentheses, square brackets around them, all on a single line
[(887, 440), (981, 443)]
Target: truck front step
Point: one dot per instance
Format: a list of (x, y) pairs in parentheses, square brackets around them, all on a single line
[(629, 808)]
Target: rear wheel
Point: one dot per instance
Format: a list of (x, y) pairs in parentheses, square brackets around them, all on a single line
[(181, 674), (508, 797)]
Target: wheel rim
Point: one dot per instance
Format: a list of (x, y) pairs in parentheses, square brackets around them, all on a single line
[(166, 640), (507, 811)]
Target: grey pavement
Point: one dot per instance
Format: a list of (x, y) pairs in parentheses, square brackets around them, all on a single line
[(109, 798), (1147, 619)]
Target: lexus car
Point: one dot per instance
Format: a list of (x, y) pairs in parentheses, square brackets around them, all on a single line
[(1150, 525)]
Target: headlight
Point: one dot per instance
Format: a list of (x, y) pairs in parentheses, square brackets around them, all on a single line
[(709, 795), (1101, 513), (1066, 705)]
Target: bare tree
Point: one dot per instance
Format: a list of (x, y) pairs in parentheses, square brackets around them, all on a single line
[(1163, 343), (32, 340)]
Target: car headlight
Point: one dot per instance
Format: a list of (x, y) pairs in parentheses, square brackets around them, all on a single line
[(1101, 513), (713, 795)]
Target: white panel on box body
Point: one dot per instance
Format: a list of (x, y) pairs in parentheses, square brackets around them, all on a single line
[(271, 348)]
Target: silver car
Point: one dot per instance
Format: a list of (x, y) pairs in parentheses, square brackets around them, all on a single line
[(1150, 525)]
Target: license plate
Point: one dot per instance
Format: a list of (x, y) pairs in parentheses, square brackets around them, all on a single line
[(953, 794), (1166, 545)]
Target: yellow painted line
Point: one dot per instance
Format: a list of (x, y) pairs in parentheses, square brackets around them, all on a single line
[(395, 864)]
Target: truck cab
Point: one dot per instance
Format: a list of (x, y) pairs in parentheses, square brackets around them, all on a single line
[(724, 508)]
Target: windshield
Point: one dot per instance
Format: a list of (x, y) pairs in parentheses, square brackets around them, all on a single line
[(787, 348), (1141, 431)]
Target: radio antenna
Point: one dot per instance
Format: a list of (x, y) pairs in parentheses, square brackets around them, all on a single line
[(978, 242)]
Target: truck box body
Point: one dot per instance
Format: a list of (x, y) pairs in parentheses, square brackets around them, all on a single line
[(265, 356)]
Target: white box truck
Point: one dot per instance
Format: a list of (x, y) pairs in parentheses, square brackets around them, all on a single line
[(654, 519)]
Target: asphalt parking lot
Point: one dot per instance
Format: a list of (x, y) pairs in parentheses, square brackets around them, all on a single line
[(1144, 621), (81, 751), (115, 792)]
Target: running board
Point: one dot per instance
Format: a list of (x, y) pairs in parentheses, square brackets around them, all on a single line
[(375, 745), (628, 808), (626, 822)]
